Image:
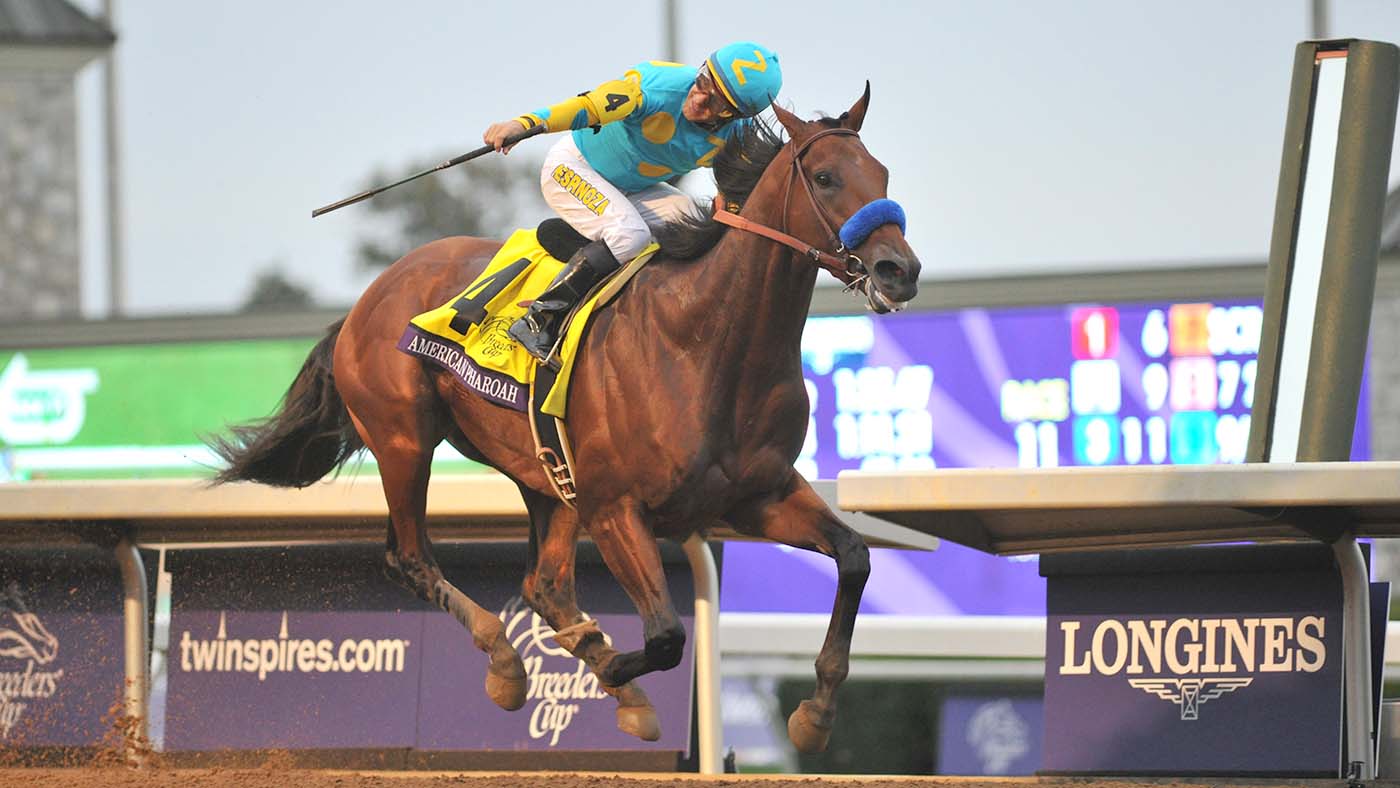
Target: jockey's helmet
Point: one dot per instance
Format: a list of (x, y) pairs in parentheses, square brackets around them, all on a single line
[(748, 74)]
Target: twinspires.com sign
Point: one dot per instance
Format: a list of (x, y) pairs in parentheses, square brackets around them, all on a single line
[(1195, 661), (310, 648)]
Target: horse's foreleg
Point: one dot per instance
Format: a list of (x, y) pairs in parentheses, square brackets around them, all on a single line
[(630, 551), (404, 466), (549, 590), (799, 517)]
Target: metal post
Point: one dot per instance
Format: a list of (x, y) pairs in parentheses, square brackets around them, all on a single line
[(134, 614), (1356, 656), (707, 715), (116, 287), (1319, 19), (670, 30)]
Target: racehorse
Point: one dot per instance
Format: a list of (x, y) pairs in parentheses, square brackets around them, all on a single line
[(687, 406)]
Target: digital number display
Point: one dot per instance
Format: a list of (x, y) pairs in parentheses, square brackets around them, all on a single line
[(1036, 387)]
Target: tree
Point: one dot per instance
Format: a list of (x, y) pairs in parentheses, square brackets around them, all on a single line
[(274, 292), (490, 196)]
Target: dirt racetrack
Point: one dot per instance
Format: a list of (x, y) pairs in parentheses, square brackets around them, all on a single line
[(118, 777)]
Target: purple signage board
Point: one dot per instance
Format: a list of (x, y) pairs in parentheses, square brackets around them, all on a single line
[(1090, 384), (292, 679), (1209, 661), (61, 647), (565, 709), (313, 647), (989, 735)]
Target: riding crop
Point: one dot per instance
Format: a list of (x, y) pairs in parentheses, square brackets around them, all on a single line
[(453, 162)]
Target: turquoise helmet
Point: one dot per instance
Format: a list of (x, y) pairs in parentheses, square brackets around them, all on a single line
[(748, 74)]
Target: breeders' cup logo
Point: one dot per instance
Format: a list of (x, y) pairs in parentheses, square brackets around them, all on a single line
[(999, 735), (495, 342), (1204, 658), (559, 683), (23, 637)]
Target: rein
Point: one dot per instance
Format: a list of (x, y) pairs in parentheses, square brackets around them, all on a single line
[(826, 260), (842, 262)]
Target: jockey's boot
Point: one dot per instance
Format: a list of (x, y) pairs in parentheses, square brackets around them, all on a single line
[(538, 329)]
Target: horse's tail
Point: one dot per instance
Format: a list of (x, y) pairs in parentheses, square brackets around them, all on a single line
[(309, 436)]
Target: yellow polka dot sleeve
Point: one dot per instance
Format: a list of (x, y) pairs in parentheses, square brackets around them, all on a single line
[(604, 104)]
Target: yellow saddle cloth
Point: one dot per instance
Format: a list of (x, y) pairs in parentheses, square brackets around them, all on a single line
[(467, 335)]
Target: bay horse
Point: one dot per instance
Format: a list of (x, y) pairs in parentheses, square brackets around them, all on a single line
[(687, 407)]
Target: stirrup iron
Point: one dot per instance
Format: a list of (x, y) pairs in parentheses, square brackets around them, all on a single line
[(560, 477)]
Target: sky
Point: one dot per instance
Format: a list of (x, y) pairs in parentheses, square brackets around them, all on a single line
[(1021, 136)]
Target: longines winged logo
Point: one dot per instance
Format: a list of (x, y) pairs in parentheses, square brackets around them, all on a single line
[(1190, 694)]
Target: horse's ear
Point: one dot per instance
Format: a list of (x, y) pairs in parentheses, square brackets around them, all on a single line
[(795, 126), (855, 116)]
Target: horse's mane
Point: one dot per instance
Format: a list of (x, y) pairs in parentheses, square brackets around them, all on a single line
[(738, 166)]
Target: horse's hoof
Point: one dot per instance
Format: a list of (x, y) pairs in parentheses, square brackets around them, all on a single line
[(639, 721), (808, 735), (508, 693)]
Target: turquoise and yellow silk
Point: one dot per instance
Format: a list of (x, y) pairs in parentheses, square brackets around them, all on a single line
[(632, 131)]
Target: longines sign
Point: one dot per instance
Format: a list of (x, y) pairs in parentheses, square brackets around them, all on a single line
[(1196, 661)]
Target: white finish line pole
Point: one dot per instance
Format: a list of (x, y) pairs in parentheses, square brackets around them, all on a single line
[(134, 617), (707, 714), (1356, 656)]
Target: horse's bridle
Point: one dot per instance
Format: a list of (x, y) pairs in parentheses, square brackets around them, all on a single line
[(843, 263)]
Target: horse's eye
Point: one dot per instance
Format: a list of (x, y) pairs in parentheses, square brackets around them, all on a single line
[(822, 179)]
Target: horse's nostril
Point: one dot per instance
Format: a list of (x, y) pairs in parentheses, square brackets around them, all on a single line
[(888, 270)]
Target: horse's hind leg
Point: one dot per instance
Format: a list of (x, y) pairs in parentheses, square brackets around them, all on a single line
[(549, 590), (404, 449), (799, 517)]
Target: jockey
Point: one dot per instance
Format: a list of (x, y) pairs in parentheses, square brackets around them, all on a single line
[(608, 178)]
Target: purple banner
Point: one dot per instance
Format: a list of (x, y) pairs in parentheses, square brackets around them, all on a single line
[(953, 580), (565, 709), (315, 648), (989, 735), (293, 679), (1230, 664), (61, 652)]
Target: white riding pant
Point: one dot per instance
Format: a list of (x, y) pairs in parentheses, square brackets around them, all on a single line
[(600, 210)]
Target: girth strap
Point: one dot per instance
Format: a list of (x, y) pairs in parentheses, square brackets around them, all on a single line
[(551, 439)]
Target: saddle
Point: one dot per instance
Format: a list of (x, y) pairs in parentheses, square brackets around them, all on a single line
[(467, 337)]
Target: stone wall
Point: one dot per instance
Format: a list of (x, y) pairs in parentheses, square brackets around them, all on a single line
[(40, 270)]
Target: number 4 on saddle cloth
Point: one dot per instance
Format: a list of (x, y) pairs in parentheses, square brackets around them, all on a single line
[(467, 336)]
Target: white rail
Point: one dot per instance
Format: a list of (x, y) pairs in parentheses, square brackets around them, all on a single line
[(191, 514)]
